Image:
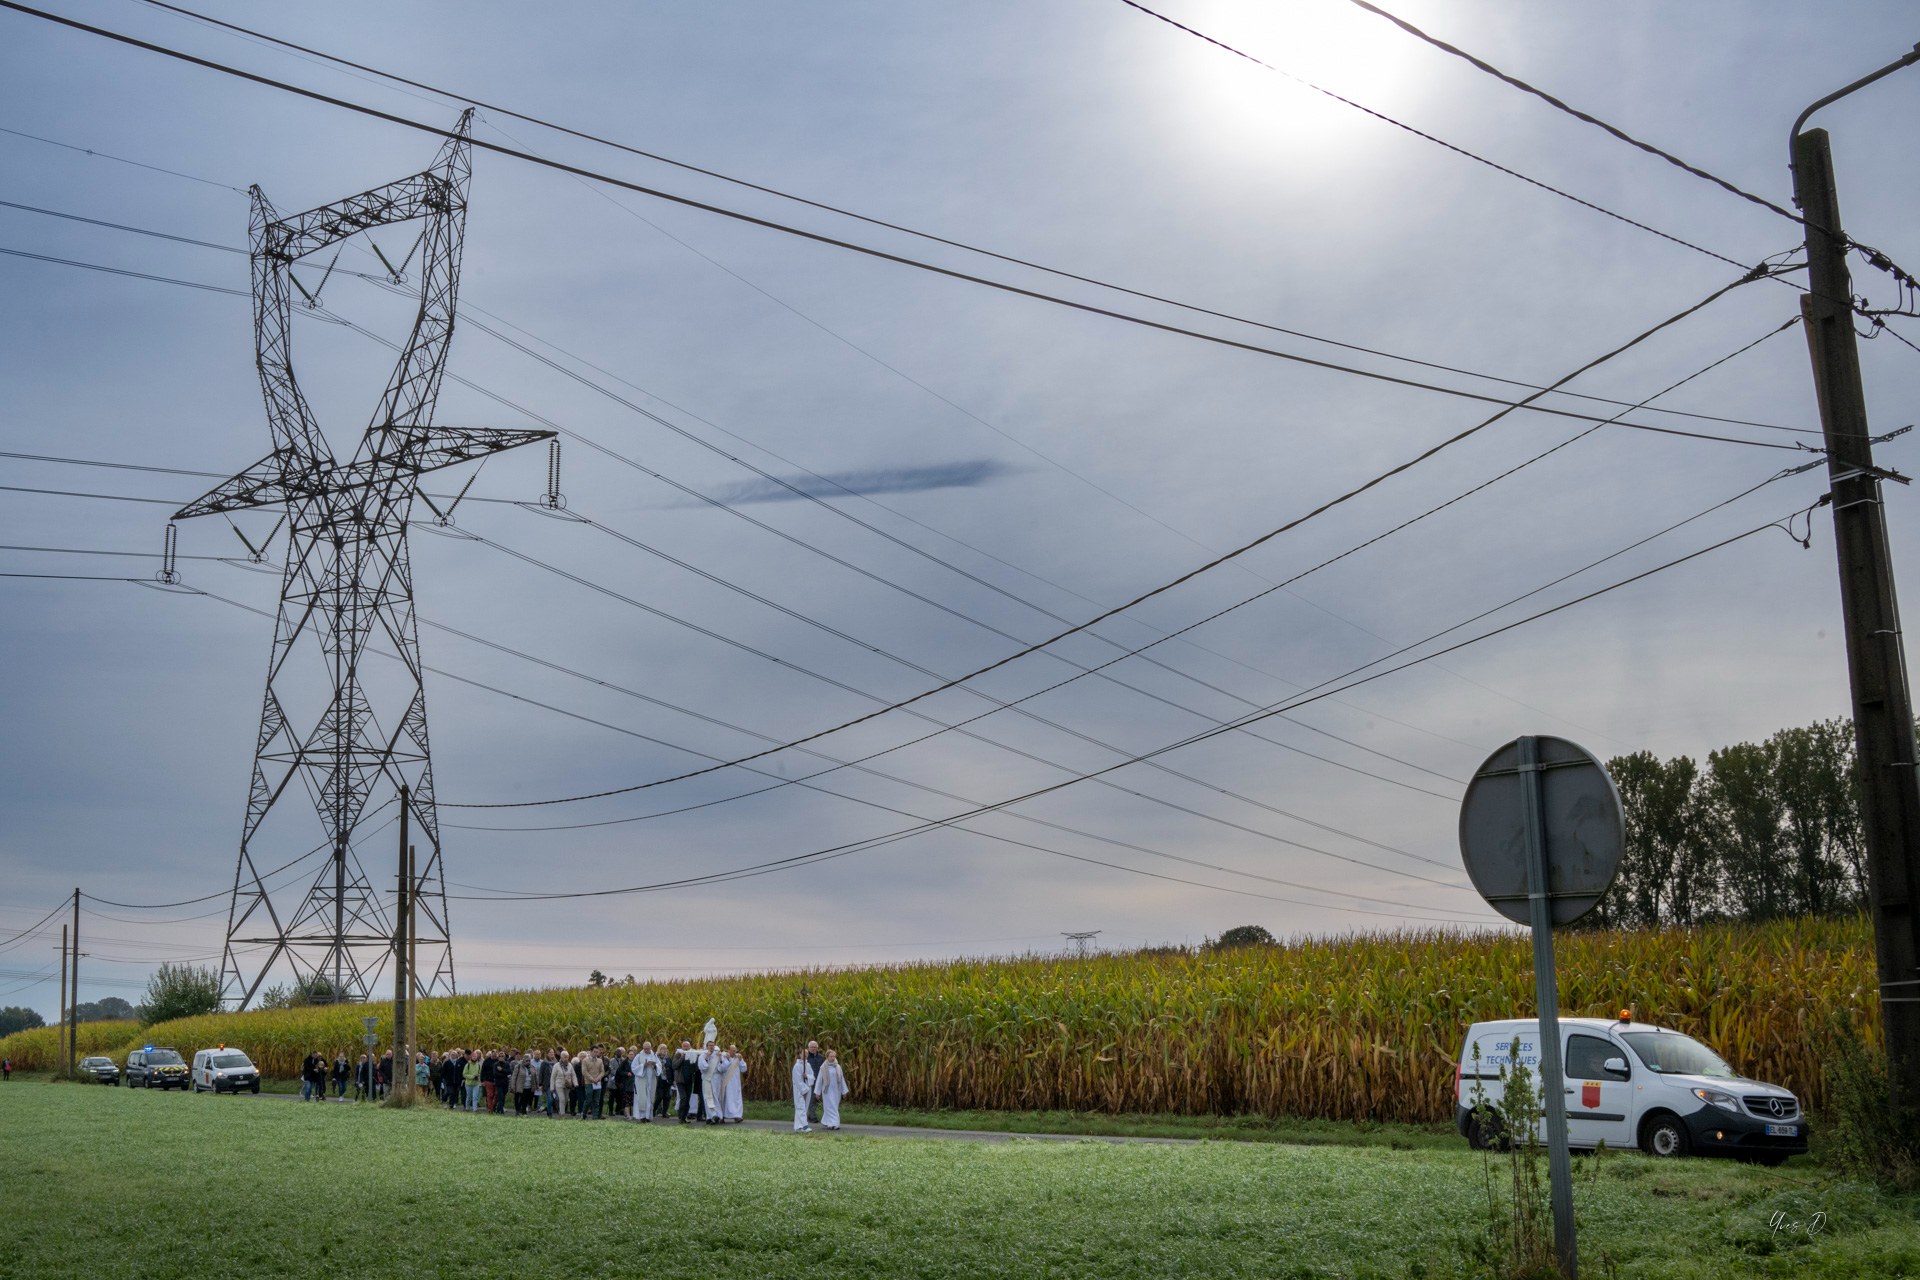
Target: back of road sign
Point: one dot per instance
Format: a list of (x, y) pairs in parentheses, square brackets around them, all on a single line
[(1581, 824)]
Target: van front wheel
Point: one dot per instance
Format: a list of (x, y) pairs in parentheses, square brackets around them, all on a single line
[(1665, 1137)]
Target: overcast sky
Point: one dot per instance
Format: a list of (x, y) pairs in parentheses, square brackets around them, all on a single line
[(1059, 462)]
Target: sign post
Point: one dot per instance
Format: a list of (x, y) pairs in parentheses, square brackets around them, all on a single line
[(1541, 833)]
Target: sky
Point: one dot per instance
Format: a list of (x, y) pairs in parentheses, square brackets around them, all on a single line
[(990, 467)]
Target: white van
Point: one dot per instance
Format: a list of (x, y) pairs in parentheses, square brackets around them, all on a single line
[(224, 1070), (1629, 1084)]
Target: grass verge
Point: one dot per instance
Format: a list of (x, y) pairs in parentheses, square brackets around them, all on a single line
[(111, 1181)]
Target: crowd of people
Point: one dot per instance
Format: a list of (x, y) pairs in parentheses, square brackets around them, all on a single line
[(637, 1082)]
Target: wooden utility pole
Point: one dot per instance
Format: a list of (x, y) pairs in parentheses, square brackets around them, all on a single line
[(402, 1056), (63, 984), (413, 957), (1876, 661), (73, 1006)]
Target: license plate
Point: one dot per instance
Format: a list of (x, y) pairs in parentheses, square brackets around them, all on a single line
[(1783, 1131)]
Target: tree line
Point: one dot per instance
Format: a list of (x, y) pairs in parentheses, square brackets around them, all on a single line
[(1761, 830)]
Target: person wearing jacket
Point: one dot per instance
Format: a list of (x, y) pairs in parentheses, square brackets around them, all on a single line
[(562, 1082), (383, 1075), (622, 1082), (687, 1077), (341, 1069), (470, 1077), (593, 1075), (451, 1068), (543, 1082), (524, 1074), (363, 1079), (423, 1072)]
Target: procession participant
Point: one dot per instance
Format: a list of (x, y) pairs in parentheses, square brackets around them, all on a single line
[(830, 1088), (542, 1073), (711, 1087), (363, 1079), (450, 1069), (340, 1069), (561, 1084), (524, 1075), (622, 1077), (815, 1060), (663, 1087), (734, 1104), (802, 1091), (423, 1071), (646, 1080), (686, 1079), (470, 1079), (382, 1076), (308, 1066), (593, 1074)]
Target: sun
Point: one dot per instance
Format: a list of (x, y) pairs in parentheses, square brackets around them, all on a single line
[(1307, 46)]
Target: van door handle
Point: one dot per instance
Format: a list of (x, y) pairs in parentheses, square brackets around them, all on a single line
[(1569, 1088)]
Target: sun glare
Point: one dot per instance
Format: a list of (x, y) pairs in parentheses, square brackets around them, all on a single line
[(1326, 43)]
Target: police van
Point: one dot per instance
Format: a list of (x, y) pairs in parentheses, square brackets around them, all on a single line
[(1629, 1084), (224, 1070)]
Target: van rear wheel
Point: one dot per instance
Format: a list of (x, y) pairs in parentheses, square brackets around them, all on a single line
[(1486, 1134), (1665, 1137)]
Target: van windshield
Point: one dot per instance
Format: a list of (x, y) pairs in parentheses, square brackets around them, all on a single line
[(225, 1061), (163, 1058), (1672, 1054)]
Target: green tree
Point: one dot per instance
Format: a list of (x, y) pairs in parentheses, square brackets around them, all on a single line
[(111, 1009), (1748, 815), (19, 1018), (1666, 871), (1243, 935), (1820, 793), (181, 991)]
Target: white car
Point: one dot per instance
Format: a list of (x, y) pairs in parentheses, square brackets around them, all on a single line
[(1629, 1084), (224, 1070)]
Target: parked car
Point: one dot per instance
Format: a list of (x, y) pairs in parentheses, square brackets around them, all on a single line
[(100, 1070), (1630, 1084), (224, 1070), (155, 1067)]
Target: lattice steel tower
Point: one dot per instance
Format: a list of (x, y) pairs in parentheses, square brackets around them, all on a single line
[(341, 726)]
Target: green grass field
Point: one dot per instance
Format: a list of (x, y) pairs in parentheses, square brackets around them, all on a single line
[(103, 1182)]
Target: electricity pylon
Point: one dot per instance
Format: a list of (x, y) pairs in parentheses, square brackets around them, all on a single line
[(340, 726)]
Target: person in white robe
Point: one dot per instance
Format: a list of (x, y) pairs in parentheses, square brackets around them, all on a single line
[(734, 1105), (646, 1081), (830, 1088), (712, 1062), (802, 1091)]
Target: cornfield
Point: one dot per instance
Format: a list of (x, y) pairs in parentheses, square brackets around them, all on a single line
[(1359, 1027)]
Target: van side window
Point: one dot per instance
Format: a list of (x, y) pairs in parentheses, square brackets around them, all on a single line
[(1586, 1056)]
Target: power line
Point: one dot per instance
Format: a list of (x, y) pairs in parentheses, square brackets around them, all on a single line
[(1418, 133), (467, 680), (1328, 505), (836, 851), (1575, 112), (784, 228), (122, 271), (68, 146), (928, 236)]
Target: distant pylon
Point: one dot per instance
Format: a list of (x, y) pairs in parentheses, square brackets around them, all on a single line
[(1081, 942), (339, 726)]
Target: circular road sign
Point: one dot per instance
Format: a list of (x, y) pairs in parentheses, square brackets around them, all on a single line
[(1581, 825)]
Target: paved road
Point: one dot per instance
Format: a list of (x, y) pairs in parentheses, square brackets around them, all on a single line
[(884, 1130)]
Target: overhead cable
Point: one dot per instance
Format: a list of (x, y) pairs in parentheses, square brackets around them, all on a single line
[(770, 224), (1325, 506), (836, 851)]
